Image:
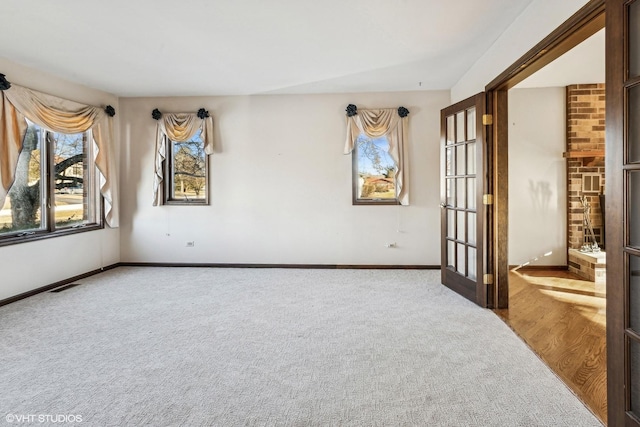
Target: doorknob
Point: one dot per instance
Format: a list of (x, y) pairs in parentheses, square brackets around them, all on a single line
[(442, 205)]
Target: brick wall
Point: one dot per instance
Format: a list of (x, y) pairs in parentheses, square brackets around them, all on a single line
[(585, 176)]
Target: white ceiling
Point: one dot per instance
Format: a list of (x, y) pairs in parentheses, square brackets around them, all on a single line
[(240, 47)]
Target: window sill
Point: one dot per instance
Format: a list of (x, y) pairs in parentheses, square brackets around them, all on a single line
[(374, 202), (42, 235), (187, 203)]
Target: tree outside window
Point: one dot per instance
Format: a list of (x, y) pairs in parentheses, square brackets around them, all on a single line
[(188, 172), (53, 188), (374, 172)]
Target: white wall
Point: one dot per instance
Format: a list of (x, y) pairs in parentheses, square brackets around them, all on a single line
[(584, 64), (28, 266), (281, 187), (536, 22), (537, 177)]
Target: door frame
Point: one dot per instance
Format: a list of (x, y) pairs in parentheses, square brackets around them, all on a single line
[(583, 24), (621, 333)]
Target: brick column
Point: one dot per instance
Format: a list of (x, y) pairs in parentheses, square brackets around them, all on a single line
[(585, 176)]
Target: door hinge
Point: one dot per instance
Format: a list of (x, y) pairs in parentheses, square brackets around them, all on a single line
[(488, 279), (487, 199), (487, 119)]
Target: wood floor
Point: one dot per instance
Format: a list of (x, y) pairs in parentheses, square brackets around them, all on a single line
[(562, 318)]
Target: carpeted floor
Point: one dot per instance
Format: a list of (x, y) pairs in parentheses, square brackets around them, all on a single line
[(272, 347)]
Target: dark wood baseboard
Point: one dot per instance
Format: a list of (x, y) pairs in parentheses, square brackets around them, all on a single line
[(55, 285), (212, 265), (539, 267), (301, 266)]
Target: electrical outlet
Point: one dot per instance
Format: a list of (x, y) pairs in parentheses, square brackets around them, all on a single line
[(191, 244)]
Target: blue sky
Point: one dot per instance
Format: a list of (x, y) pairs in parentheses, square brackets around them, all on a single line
[(365, 165)]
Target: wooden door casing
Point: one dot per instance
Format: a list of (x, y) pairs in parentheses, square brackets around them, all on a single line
[(622, 389)]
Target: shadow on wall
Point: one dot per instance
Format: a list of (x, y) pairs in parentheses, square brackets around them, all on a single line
[(540, 193), (538, 234)]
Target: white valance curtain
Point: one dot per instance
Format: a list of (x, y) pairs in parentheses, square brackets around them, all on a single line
[(377, 123), (179, 127), (58, 115)]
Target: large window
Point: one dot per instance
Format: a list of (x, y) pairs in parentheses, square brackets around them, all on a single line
[(54, 190), (374, 172), (187, 172)]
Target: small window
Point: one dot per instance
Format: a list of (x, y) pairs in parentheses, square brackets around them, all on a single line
[(187, 172), (54, 189), (374, 172), (591, 183)]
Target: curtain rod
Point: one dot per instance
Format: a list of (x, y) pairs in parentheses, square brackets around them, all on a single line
[(5, 84), (352, 110), (157, 114)]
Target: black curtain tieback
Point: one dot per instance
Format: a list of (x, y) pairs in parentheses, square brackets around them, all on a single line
[(403, 112), (203, 114), (4, 83)]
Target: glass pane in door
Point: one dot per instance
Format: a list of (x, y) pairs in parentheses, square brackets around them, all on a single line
[(471, 124), (471, 158), (634, 368), (471, 193), (460, 160), (634, 293), (634, 208), (471, 273), (451, 192), (460, 234), (449, 160), (634, 40), (634, 125), (451, 224), (460, 127), (451, 130), (460, 193), (461, 267), (451, 254), (471, 228)]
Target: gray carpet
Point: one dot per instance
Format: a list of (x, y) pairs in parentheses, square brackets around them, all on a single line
[(272, 347)]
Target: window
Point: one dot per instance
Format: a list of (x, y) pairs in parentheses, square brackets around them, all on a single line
[(184, 143), (374, 172), (591, 183), (187, 172), (376, 142), (54, 190)]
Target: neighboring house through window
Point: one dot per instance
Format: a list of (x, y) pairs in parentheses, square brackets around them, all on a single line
[(376, 140), (374, 171)]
